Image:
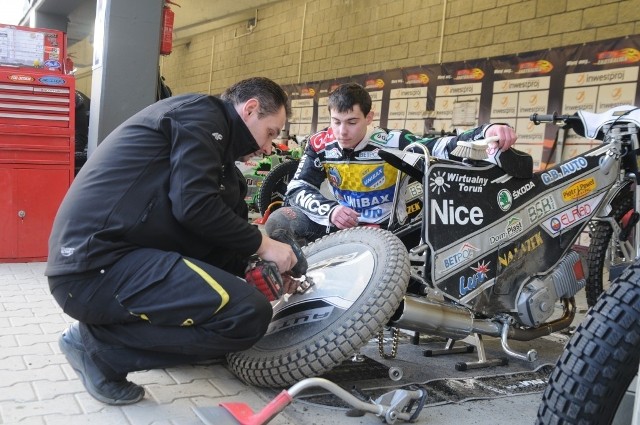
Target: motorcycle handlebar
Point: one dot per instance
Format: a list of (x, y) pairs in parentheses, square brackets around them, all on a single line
[(544, 118)]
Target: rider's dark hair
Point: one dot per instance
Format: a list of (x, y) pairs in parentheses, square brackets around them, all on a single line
[(268, 93), (346, 96)]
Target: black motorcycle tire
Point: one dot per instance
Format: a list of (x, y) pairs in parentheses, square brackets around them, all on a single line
[(600, 360), (274, 185), (601, 234), (307, 350)]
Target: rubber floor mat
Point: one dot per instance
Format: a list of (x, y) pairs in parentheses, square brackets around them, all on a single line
[(355, 371), (454, 390)]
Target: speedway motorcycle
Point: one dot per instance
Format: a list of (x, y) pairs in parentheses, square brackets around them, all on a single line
[(494, 255)]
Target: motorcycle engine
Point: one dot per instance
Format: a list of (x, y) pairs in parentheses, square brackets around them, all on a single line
[(537, 298)]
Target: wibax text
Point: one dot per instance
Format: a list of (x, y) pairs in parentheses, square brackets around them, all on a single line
[(447, 213)]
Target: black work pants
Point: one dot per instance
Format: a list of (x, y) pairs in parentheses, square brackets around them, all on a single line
[(156, 309)]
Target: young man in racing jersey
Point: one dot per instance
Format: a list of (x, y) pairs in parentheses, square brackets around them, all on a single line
[(345, 154)]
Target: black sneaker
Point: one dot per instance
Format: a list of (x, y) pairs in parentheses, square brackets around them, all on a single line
[(116, 392)]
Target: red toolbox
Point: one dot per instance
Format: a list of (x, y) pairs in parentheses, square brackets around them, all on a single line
[(37, 103)]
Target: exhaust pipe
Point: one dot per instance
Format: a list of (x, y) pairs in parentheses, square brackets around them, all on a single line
[(457, 322), (449, 321)]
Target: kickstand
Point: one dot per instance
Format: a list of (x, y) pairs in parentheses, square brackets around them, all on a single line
[(476, 340), (397, 404), (449, 348)]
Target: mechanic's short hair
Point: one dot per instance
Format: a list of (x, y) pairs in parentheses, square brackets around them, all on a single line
[(346, 96), (268, 93)]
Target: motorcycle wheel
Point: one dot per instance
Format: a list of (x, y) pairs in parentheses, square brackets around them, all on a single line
[(600, 360), (360, 276), (274, 185), (603, 253)]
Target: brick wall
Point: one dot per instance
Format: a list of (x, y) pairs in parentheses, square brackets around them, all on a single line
[(350, 37)]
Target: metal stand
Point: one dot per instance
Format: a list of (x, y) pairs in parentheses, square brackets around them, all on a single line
[(473, 341)]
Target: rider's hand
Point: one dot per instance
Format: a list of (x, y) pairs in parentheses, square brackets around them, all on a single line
[(344, 217), (506, 135), (278, 252)]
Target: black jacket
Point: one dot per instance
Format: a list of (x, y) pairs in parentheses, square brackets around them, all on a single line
[(166, 179)]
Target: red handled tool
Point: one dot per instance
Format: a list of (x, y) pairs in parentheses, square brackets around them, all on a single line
[(400, 404)]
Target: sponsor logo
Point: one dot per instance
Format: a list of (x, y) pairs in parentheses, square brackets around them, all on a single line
[(334, 177), (332, 153), (540, 66), (579, 189), (216, 136), (67, 252), (469, 74), (414, 207), (467, 183), (524, 189), (572, 215), (626, 55), (413, 191), (564, 170), (517, 253), (380, 137), (504, 200), (468, 284), (308, 91), (319, 140), (375, 178), (369, 155), (541, 208), (372, 213), (437, 182), (300, 318), (313, 205), (52, 80), (377, 83), (366, 202), (449, 214), (21, 78), (417, 79), (514, 227), (52, 64), (466, 252)]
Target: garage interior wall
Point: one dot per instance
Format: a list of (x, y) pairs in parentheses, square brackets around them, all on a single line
[(294, 41)]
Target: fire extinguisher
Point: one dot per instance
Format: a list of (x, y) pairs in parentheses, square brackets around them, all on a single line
[(166, 35)]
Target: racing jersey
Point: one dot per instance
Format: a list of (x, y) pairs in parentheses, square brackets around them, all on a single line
[(358, 178)]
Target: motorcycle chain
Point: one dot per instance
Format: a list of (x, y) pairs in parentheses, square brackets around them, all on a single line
[(395, 334)]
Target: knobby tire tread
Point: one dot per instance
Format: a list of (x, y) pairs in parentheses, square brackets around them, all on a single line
[(599, 361), (340, 341), (600, 242)]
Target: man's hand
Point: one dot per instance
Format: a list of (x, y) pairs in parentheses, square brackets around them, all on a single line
[(278, 252), (507, 135), (344, 217)]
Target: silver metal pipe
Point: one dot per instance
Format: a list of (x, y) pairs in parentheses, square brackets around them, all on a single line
[(456, 322), (422, 315)]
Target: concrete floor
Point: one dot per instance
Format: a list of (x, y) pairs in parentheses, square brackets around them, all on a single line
[(37, 386)]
